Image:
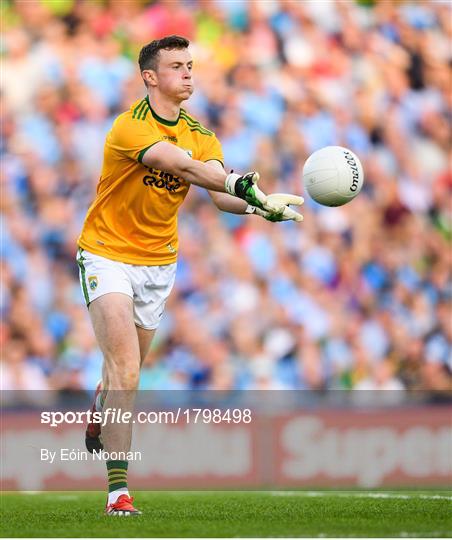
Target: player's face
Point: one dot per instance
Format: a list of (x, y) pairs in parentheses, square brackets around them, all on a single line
[(174, 73)]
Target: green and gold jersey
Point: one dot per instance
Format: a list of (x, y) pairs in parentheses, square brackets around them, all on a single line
[(133, 218)]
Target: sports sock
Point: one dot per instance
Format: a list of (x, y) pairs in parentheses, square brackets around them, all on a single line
[(117, 476)]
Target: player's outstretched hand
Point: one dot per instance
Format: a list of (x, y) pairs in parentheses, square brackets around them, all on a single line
[(245, 187), (271, 207), (281, 202)]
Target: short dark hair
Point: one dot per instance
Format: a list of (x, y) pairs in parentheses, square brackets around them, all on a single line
[(149, 54)]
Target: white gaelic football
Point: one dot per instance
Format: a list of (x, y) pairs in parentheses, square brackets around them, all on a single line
[(333, 175)]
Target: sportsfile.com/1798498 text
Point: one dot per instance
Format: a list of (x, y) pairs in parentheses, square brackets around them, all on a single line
[(114, 415)]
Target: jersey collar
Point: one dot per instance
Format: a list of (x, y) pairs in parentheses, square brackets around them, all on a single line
[(159, 118)]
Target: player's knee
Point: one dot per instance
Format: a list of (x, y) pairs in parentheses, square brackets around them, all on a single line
[(130, 379), (125, 382), (123, 375)]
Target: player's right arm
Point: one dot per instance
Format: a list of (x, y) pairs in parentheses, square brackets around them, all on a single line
[(167, 157), (170, 158), (132, 139)]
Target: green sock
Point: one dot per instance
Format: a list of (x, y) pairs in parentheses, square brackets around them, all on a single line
[(117, 474)]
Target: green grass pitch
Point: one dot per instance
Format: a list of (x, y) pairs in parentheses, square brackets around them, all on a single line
[(232, 514)]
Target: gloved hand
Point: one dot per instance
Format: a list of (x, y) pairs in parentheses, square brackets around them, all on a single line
[(284, 214), (271, 207), (245, 187)]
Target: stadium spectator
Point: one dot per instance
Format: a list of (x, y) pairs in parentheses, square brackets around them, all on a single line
[(355, 297)]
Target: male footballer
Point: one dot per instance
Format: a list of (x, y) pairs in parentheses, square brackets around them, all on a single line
[(128, 246)]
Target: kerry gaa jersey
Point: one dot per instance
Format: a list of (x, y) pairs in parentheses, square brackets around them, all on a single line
[(133, 218)]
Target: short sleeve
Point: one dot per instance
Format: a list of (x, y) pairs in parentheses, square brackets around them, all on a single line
[(211, 149), (132, 138)]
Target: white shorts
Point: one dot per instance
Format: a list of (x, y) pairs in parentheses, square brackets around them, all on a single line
[(148, 286)]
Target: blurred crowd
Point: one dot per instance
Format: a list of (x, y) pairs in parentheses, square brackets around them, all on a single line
[(356, 297)]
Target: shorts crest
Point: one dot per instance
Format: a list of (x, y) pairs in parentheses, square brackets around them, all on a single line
[(93, 282)]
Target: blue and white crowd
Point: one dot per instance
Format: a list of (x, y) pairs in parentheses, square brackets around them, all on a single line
[(356, 297)]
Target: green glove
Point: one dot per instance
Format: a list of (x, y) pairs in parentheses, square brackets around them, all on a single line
[(272, 207), (245, 187), (286, 214)]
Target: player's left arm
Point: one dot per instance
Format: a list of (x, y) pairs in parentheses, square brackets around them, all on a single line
[(233, 205)]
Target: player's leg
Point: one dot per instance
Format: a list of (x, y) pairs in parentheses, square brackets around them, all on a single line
[(109, 296), (114, 327), (145, 338), (98, 277), (152, 286), (112, 320)]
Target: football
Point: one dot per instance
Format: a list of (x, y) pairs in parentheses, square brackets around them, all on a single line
[(333, 175)]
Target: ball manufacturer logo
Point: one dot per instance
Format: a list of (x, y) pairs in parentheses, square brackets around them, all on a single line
[(355, 173)]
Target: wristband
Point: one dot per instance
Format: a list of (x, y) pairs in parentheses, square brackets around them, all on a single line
[(229, 183)]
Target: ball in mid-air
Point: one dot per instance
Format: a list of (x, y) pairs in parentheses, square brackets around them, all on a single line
[(333, 175)]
